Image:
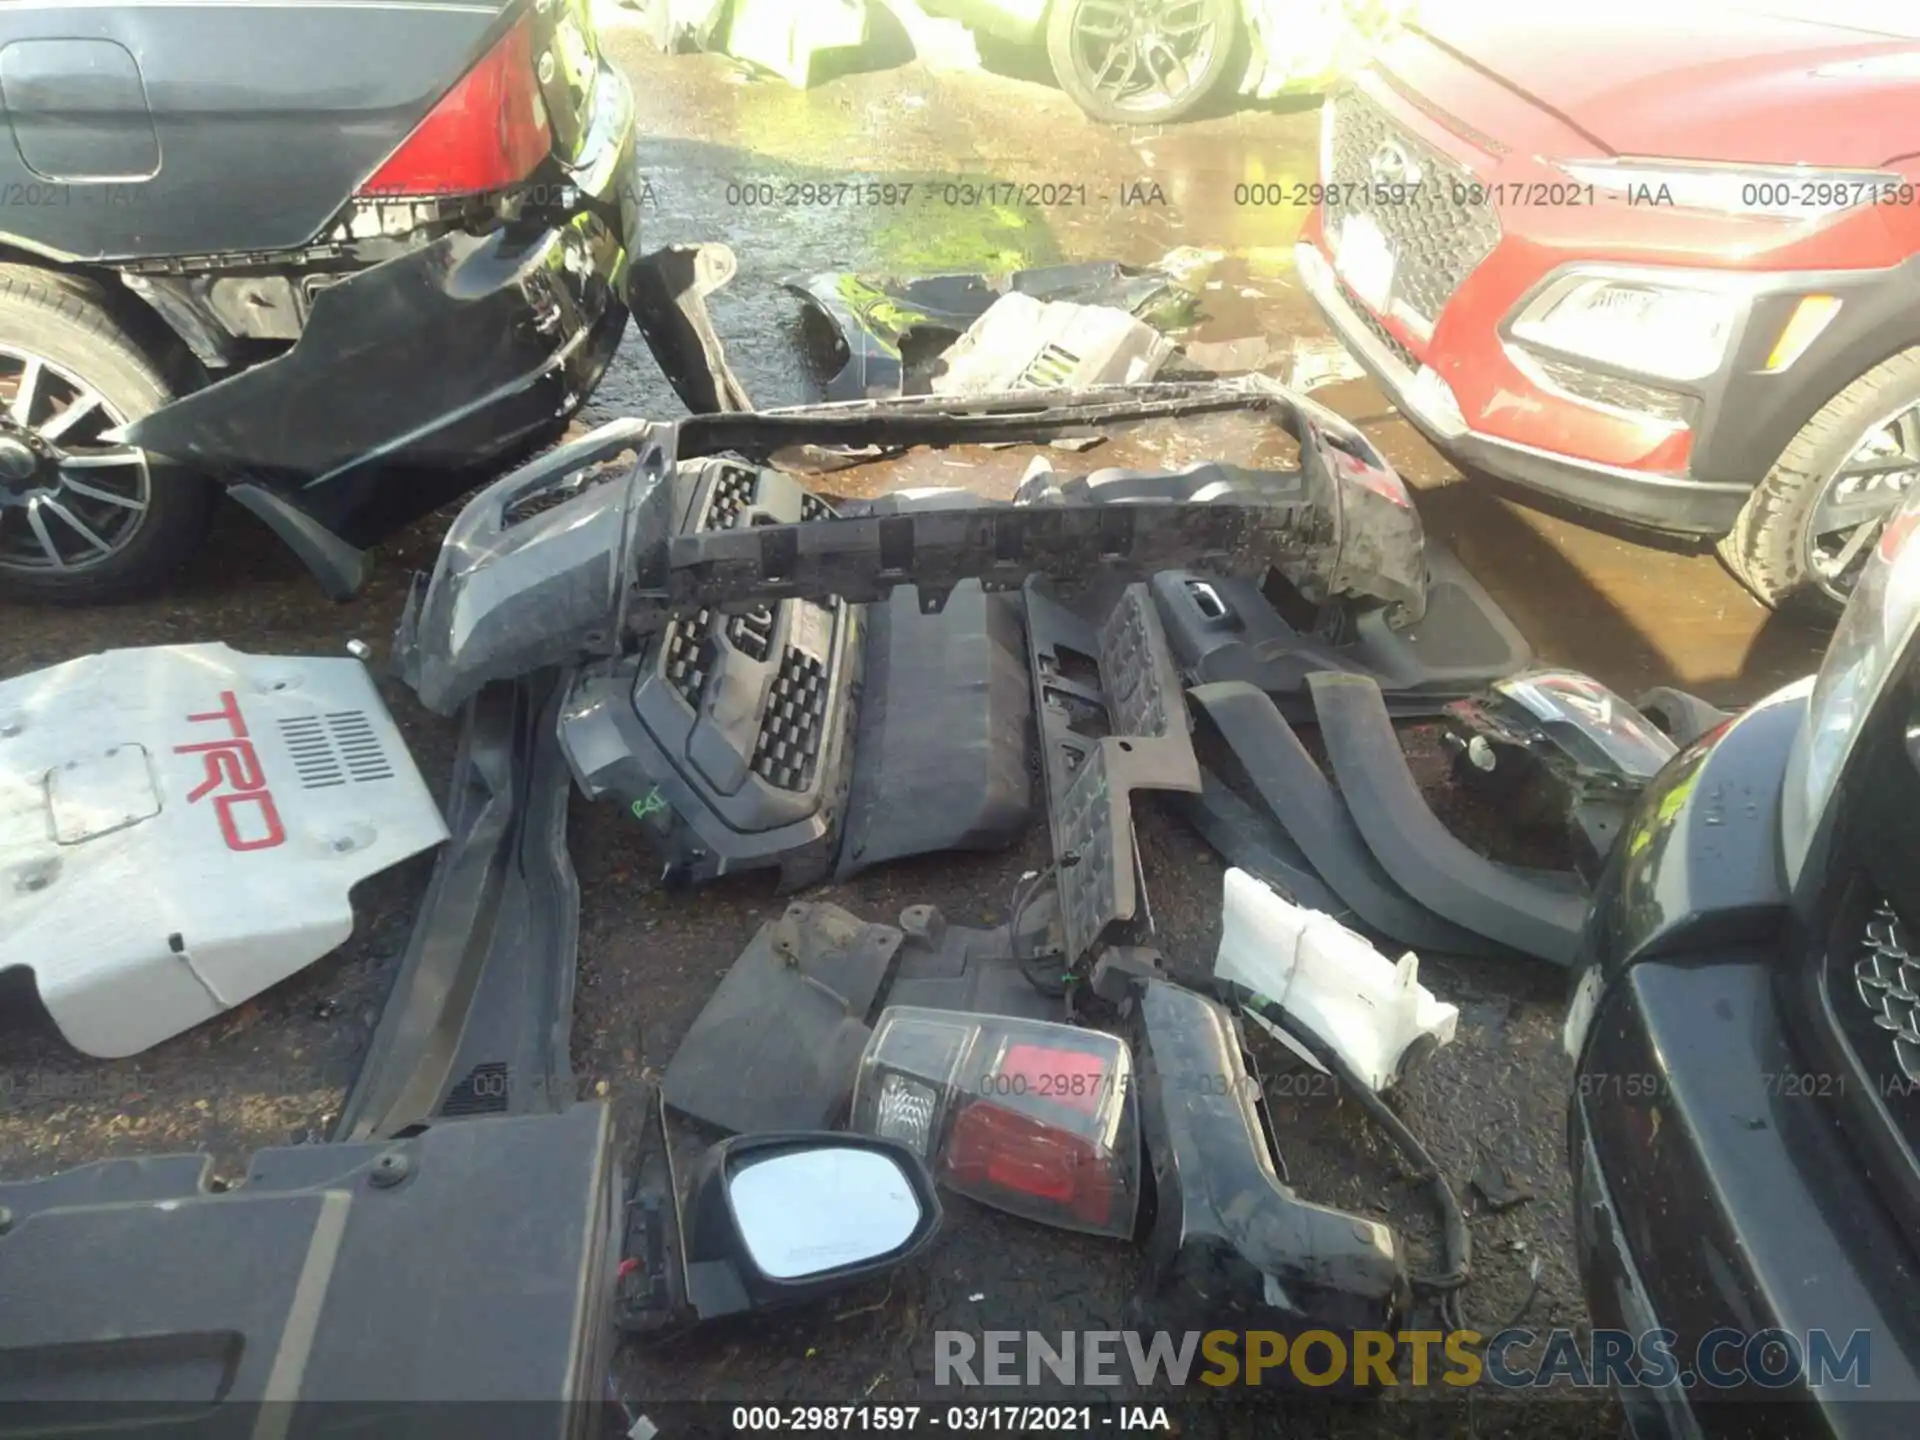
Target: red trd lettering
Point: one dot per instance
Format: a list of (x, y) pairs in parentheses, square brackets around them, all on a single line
[(231, 763)]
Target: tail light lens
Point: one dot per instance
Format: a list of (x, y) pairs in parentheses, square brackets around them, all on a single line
[(1029, 1117), (488, 132)]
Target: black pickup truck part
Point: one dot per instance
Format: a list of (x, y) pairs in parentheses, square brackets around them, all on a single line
[(472, 1262), (574, 558)]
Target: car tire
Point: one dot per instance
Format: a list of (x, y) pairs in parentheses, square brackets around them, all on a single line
[(1770, 547), (63, 321), (1069, 72)]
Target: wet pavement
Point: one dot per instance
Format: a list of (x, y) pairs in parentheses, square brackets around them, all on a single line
[(763, 167)]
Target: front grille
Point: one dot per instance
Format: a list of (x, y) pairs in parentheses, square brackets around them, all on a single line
[(733, 492), (1438, 236), (1379, 331), (1613, 391), (796, 719), (685, 656), (1886, 977)]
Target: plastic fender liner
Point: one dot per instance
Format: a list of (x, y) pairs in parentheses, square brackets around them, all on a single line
[(1416, 849), (481, 1013), (1232, 1246), (1317, 820)]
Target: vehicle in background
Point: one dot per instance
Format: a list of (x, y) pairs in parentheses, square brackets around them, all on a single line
[(1746, 1116), (345, 261), (1662, 263), (1122, 61)]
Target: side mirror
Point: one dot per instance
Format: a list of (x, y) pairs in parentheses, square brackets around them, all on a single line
[(773, 1219)]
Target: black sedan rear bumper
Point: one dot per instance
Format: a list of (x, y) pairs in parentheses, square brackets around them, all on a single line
[(419, 379), (1716, 1200)]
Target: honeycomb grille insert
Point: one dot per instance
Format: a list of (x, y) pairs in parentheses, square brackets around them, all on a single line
[(788, 750), (1613, 391), (1380, 332), (685, 656), (733, 493), (1886, 975), (1438, 236)]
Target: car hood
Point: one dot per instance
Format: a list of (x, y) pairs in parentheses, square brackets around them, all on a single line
[(1789, 82)]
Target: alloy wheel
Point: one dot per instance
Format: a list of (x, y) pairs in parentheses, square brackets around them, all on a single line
[(1143, 55), (1857, 500), (69, 498)]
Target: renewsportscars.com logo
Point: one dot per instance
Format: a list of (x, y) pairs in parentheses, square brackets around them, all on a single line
[(1514, 1359)]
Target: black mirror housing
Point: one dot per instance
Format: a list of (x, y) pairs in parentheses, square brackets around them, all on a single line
[(722, 1275)]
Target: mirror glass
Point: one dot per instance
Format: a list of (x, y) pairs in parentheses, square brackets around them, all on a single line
[(804, 1212)]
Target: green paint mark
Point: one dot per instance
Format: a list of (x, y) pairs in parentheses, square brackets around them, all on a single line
[(653, 803)]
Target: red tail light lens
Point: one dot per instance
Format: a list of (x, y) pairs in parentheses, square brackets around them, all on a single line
[(488, 132), (994, 1150), (1030, 1117)]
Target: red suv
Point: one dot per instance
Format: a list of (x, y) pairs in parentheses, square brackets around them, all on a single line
[(1665, 266)]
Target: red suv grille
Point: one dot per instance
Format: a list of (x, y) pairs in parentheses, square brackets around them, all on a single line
[(1438, 239)]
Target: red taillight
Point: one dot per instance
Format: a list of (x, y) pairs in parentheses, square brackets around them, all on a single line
[(1000, 1150), (1028, 1116), (488, 132)]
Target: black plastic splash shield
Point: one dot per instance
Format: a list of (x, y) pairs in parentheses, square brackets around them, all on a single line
[(951, 967), (1317, 819), (1419, 852), (667, 292), (481, 1013), (472, 1262), (1232, 1246), (1112, 721), (777, 1046), (945, 729)]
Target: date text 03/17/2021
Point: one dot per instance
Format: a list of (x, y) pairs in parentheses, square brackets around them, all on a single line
[(950, 1419)]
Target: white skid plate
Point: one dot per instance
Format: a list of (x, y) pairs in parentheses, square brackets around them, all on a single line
[(180, 827)]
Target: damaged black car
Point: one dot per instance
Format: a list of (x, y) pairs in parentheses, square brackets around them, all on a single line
[(1745, 1128), (343, 262)]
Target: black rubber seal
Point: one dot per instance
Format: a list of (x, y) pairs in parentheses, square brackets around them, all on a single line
[(1250, 840), (1420, 853), (1310, 811)]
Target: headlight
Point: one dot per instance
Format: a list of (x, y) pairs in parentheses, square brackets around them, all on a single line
[(1651, 327), (1880, 620), (1781, 192)]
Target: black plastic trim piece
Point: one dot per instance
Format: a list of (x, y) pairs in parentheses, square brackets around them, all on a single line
[(1232, 1245), (1420, 853), (1112, 721), (480, 1017), (1255, 843), (1313, 814), (1684, 718), (340, 568), (474, 1262)]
